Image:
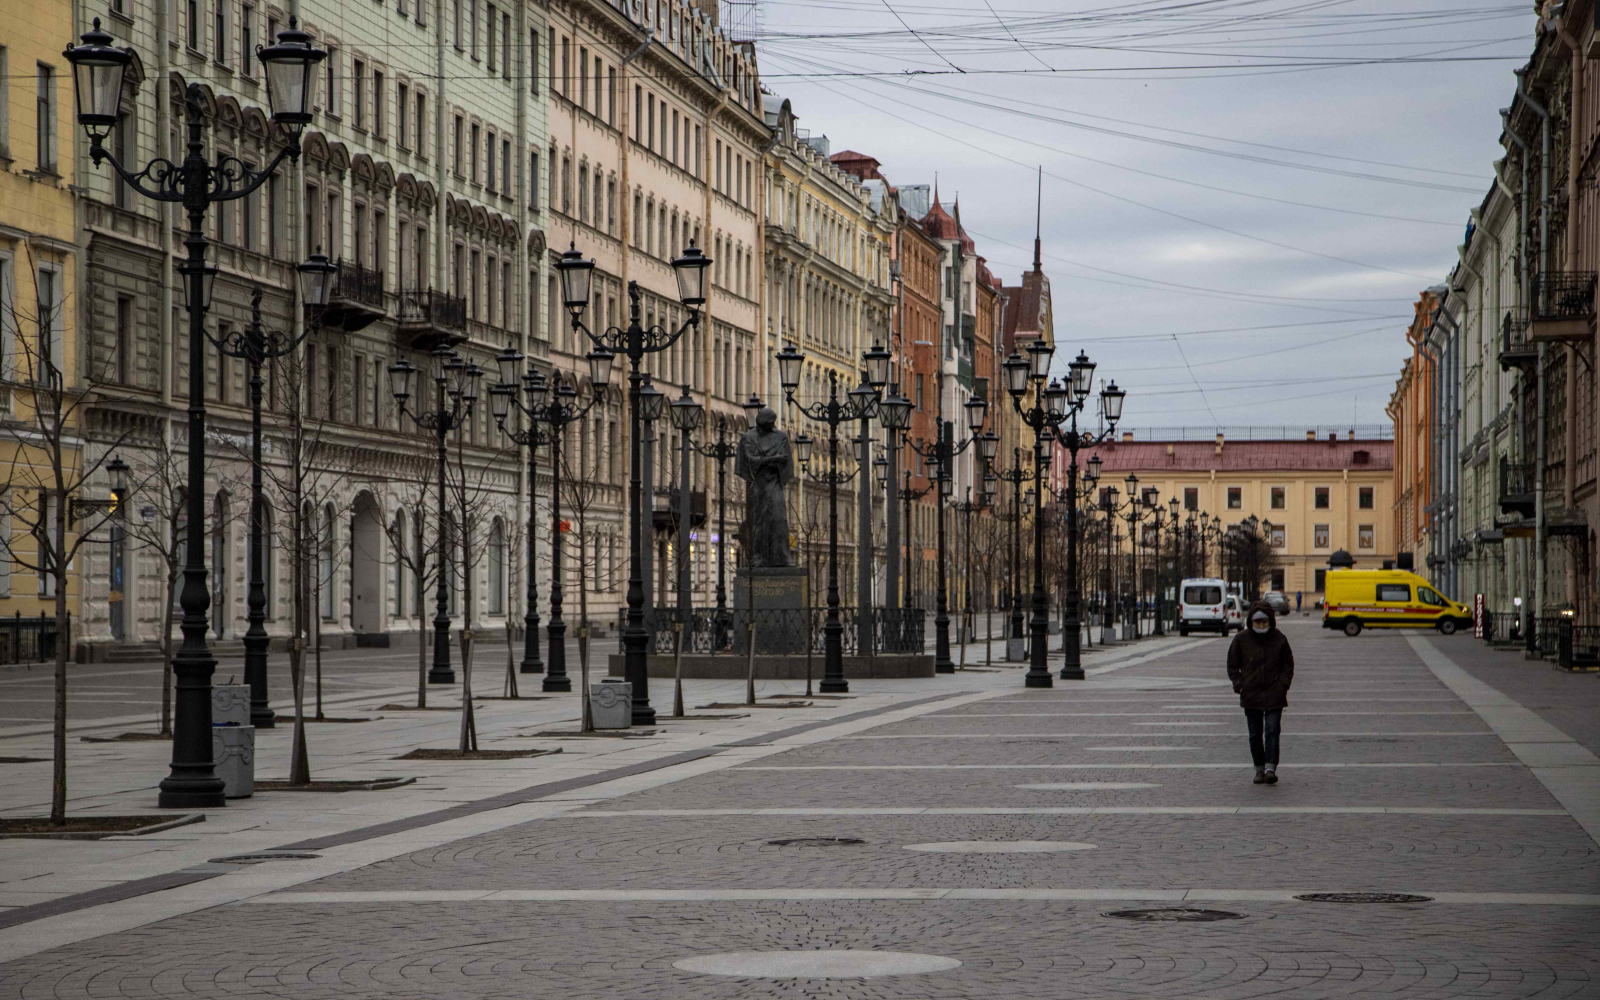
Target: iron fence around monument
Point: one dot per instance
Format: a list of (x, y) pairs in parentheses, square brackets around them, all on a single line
[(710, 632)]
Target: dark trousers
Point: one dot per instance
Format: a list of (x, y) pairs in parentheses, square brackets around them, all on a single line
[(1265, 725)]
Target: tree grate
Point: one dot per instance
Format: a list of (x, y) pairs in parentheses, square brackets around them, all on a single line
[(1174, 914), (816, 842), (1363, 897), (256, 859)]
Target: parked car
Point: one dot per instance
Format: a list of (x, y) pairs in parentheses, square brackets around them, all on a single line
[(1201, 607), (1277, 601)]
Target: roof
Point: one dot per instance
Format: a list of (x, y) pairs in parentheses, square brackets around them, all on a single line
[(941, 225), (1241, 456), (860, 164)]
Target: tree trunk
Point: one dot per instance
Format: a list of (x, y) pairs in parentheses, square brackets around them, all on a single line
[(166, 651), (58, 777)]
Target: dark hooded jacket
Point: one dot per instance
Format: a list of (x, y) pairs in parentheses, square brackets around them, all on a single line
[(1261, 667)]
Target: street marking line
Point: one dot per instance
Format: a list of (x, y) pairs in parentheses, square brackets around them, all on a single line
[(1297, 734), (1078, 767), (886, 893), (1070, 811), (1566, 768)]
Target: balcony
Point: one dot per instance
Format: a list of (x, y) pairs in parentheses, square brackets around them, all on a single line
[(1563, 306), (666, 519), (357, 300), (431, 318), (1516, 350), (1517, 488)]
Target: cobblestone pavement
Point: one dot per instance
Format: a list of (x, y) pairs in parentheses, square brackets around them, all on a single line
[(1391, 783)]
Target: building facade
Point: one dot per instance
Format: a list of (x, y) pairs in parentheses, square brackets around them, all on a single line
[(1318, 496)]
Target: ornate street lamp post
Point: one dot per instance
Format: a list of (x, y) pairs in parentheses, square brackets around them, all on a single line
[(557, 412), (940, 456), (966, 508), (634, 342), (720, 451), (1016, 476), (455, 383), (98, 72), (1055, 406), (862, 405), (687, 415), (257, 346)]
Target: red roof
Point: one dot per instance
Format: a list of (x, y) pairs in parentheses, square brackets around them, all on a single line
[(1241, 456), (860, 164), (941, 225)]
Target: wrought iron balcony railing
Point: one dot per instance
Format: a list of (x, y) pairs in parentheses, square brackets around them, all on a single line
[(428, 307), (1563, 305), (359, 284)]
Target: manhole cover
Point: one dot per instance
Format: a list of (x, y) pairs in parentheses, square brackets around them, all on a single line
[(816, 842), (256, 859), (1363, 897), (1174, 914)]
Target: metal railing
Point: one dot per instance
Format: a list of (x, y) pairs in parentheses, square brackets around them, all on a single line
[(30, 640), (359, 284), (1502, 627), (433, 308), (1547, 634), (1577, 645), (780, 631), (1516, 481), (1563, 295)]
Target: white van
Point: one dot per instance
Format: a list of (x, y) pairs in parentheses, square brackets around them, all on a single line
[(1202, 607)]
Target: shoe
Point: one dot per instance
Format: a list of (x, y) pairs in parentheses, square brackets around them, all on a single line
[(1272, 776), (1261, 776)]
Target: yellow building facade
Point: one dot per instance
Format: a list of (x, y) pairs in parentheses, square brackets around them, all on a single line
[(38, 288), (1319, 496)]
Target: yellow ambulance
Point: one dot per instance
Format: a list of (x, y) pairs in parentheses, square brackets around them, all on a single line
[(1388, 598)]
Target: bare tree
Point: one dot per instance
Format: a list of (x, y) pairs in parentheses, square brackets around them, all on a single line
[(583, 487), (158, 530), (418, 560), (45, 476)]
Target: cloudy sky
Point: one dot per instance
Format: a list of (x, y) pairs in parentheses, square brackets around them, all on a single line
[(1241, 198)]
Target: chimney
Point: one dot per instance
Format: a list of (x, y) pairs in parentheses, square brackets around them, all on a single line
[(1333, 438), (1352, 435), (1127, 436), (1311, 435)]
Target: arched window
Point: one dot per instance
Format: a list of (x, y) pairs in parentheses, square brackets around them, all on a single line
[(397, 578), (268, 554), (497, 567), (325, 564), (221, 572), (419, 555)]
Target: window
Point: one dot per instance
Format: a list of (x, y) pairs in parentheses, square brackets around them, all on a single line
[(48, 287), (505, 46), (5, 104), (1364, 498), (358, 95), (1319, 536), (489, 155), (1364, 536), (533, 180), (193, 35), (402, 115), (533, 60), (1277, 498), (378, 105), (45, 108), (1427, 595), (402, 557), (422, 126), (325, 564), (333, 81), (1322, 498), (1394, 592), (611, 94), (583, 78), (472, 28), (122, 350), (1275, 537), (472, 152), (1320, 580), (505, 167), (247, 40), (220, 33), (1191, 498), (1235, 498), (1277, 580), (457, 145), (489, 27), (1205, 594)]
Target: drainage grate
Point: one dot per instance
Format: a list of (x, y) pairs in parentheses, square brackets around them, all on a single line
[(1174, 914), (256, 859), (816, 842), (1363, 897)]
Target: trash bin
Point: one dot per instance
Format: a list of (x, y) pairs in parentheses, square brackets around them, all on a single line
[(611, 704), (230, 704)]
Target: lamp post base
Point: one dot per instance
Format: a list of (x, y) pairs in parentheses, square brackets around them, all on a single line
[(436, 676)]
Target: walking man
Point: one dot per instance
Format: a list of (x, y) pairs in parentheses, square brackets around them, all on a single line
[(1297, 602), (1261, 667)]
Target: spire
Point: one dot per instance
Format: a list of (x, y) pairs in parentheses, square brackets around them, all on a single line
[(1038, 220)]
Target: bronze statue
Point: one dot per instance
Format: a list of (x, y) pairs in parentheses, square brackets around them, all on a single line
[(765, 464)]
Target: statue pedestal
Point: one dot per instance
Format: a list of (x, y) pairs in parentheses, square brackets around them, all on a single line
[(782, 592)]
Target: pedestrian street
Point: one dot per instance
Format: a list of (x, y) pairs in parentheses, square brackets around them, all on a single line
[(1100, 838)]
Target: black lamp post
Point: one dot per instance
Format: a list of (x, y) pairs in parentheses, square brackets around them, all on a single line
[(98, 72), (533, 439), (1016, 476), (455, 392), (257, 346), (906, 495), (720, 451), (558, 413), (862, 405), (1053, 406), (966, 508), (687, 415), (940, 456), (635, 341)]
